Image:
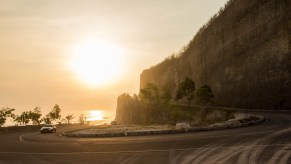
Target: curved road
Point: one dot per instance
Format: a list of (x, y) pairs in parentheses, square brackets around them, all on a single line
[(269, 142)]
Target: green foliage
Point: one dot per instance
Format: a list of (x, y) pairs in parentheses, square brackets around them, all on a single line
[(186, 89), (17, 119), (176, 115), (4, 113), (124, 96), (151, 93), (69, 117), (204, 94), (47, 119), (133, 111), (209, 116), (35, 115), (23, 118), (55, 113), (135, 96), (165, 96)]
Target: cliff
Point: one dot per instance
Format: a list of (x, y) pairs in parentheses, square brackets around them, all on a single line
[(242, 53)]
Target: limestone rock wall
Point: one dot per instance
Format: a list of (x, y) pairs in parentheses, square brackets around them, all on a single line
[(243, 54)]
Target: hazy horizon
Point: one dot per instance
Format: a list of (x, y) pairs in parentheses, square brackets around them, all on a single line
[(41, 39)]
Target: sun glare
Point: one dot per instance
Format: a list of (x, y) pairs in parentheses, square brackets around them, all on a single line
[(96, 62), (95, 115)]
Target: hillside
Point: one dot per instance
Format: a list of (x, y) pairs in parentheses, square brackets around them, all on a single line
[(242, 53)]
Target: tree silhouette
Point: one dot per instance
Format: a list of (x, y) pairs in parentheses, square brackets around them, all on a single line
[(35, 115), (150, 93), (4, 113), (82, 119), (165, 96), (55, 113), (186, 89), (69, 117), (47, 119), (204, 94), (23, 118)]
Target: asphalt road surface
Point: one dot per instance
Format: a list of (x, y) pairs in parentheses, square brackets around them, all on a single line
[(269, 142)]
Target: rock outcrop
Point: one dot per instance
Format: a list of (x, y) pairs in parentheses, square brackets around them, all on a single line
[(242, 53)]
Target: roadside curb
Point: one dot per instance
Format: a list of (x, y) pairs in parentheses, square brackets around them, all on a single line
[(236, 124)]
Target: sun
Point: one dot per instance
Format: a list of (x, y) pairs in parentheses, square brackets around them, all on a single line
[(95, 115), (96, 62)]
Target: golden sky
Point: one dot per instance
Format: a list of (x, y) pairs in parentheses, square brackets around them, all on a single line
[(40, 39)]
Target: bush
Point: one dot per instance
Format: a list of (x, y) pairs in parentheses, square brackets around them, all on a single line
[(133, 111), (204, 95), (210, 116)]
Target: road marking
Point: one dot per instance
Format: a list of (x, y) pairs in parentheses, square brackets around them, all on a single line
[(20, 138), (147, 151)]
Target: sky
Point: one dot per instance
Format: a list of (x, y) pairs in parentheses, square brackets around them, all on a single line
[(49, 51)]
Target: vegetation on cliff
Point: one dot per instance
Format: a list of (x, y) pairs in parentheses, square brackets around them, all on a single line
[(156, 106), (134, 111), (186, 89), (204, 95)]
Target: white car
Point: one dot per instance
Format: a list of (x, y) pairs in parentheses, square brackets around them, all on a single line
[(48, 128)]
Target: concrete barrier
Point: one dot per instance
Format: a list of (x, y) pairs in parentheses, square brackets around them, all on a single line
[(232, 125)]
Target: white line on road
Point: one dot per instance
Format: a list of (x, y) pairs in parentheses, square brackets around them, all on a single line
[(20, 138)]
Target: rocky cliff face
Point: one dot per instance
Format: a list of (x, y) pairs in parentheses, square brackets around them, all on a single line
[(243, 54)]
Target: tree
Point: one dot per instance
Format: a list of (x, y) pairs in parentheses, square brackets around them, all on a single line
[(17, 119), (55, 113), (204, 94), (4, 113), (82, 119), (150, 93), (35, 115), (135, 97), (23, 118), (186, 89), (125, 96), (47, 119), (69, 117), (165, 96)]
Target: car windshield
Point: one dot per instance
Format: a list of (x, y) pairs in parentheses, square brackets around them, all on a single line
[(48, 126)]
